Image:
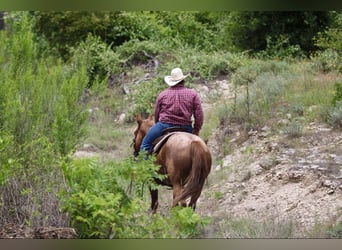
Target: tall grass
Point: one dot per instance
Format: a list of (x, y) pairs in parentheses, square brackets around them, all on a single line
[(41, 122)]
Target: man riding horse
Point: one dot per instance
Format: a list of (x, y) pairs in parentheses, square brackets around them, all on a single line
[(184, 157), (174, 107)]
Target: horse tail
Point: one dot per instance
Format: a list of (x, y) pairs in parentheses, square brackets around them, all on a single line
[(200, 169)]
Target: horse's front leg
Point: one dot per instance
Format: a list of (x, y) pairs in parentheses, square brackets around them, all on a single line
[(154, 200)]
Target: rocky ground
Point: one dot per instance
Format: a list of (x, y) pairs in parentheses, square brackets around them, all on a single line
[(274, 178), (271, 177)]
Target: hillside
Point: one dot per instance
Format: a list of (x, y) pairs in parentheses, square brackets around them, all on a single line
[(273, 117), (280, 182), (269, 184)]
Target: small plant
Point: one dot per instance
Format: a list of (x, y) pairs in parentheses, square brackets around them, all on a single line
[(335, 115), (188, 222), (218, 195), (337, 96), (294, 129), (270, 227), (327, 61), (297, 109)]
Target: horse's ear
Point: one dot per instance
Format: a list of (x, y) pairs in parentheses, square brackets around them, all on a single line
[(149, 117), (138, 118)]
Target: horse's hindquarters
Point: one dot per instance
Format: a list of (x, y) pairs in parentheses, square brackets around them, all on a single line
[(187, 161)]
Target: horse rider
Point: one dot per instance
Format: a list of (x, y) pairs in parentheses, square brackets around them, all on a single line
[(174, 107)]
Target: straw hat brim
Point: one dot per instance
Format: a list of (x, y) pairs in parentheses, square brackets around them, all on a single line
[(169, 81)]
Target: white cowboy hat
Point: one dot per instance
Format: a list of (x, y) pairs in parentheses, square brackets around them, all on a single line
[(175, 77)]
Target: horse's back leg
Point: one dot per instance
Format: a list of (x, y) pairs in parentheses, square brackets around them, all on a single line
[(193, 200), (177, 190), (154, 200)]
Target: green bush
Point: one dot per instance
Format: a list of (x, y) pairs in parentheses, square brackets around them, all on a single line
[(327, 60), (106, 200), (41, 122), (337, 96), (101, 61), (145, 95), (335, 115), (136, 52), (260, 84)]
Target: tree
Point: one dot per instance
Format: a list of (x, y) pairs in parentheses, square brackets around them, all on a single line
[(2, 21), (255, 31), (67, 29)]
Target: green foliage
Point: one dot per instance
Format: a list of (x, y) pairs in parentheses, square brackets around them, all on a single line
[(327, 60), (101, 61), (257, 31), (145, 95), (100, 206), (330, 41), (332, 37), (7, 157), (294, 129), (262, 82), (210, 65), (281, 48), (41, 121), (334, 115), (65, 30), (334, 231), (337, 96), (136, 52), (271, 227), (187, 222), (189, 28)]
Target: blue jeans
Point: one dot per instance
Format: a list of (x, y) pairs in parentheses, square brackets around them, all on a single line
[(155, 131)]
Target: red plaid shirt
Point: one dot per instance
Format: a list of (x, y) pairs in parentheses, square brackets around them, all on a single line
[(177, 104)]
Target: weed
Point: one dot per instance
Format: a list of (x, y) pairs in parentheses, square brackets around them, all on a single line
[(337, 96), (218, 195), (294, 129), (247, 228), (335, 115)]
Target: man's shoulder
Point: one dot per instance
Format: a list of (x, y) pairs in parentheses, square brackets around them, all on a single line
[(191, 91)]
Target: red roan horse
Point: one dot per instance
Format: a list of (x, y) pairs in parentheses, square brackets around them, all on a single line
[(184, 158)]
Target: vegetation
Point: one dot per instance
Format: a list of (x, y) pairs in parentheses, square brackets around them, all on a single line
[(67, 76)]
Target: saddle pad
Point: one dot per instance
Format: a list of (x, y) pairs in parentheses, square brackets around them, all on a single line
[(161, 142)]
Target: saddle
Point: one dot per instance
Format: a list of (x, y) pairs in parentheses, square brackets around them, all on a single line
[(160, 141)]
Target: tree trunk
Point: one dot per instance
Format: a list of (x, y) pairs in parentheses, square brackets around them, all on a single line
[(2, 21)]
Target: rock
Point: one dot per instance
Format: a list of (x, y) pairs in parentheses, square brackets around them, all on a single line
[(267, 163), (55, 233), (331, 191), (295, 175), (122, 118)]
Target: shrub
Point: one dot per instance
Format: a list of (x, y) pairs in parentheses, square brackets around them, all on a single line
[(136, 52), (294, 129), (327, 60), (41, 123), (106, 200), (260, 84), (337, 96), (145, 95), (101, 61), (335, 115)]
